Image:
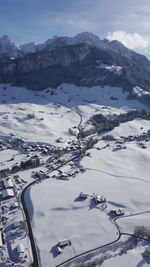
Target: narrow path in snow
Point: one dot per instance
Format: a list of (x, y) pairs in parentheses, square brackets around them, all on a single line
[(119, 176)]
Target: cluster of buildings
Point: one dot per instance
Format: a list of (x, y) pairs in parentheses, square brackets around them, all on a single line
[(139, 138), (32, 162), (100, 200), (13, 238), (96, 198), (8, 188)]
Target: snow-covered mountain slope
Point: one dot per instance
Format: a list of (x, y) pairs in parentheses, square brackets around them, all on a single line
[(84, 60), (80, 64)]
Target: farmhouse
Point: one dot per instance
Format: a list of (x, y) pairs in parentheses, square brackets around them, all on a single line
[(8, 193)]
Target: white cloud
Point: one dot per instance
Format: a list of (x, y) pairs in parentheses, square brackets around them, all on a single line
[(130, 40)]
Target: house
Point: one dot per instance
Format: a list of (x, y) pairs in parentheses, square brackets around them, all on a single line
[(63, 243), (8, 193), (8, 183), (1, 225), (118, 212), (20, 250), (15, 205), (59, 140), (59, 250), (39, 174), (30, 116), (15, 168), (147, 252), (1, 240), (18, 224), (83, 195), (64, 176), (73, 131), (99, 199)]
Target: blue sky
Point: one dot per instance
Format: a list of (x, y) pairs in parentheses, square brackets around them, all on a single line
[(37, 20)]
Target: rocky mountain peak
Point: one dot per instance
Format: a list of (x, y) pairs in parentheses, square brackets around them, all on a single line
[(8, 48)]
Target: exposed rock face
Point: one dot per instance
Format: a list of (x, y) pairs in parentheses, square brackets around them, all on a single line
[(73, 64), (8, 48)]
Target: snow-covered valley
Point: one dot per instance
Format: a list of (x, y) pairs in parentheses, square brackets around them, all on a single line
[(46, 125)]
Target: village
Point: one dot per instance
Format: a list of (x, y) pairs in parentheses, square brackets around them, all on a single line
[(63, 163)]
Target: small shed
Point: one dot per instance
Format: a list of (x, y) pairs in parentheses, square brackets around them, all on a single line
[(8, 193)]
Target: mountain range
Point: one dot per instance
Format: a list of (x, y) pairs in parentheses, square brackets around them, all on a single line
[(84, 60)]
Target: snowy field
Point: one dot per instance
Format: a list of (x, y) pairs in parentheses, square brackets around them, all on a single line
[(52, 114), (122, 176)]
